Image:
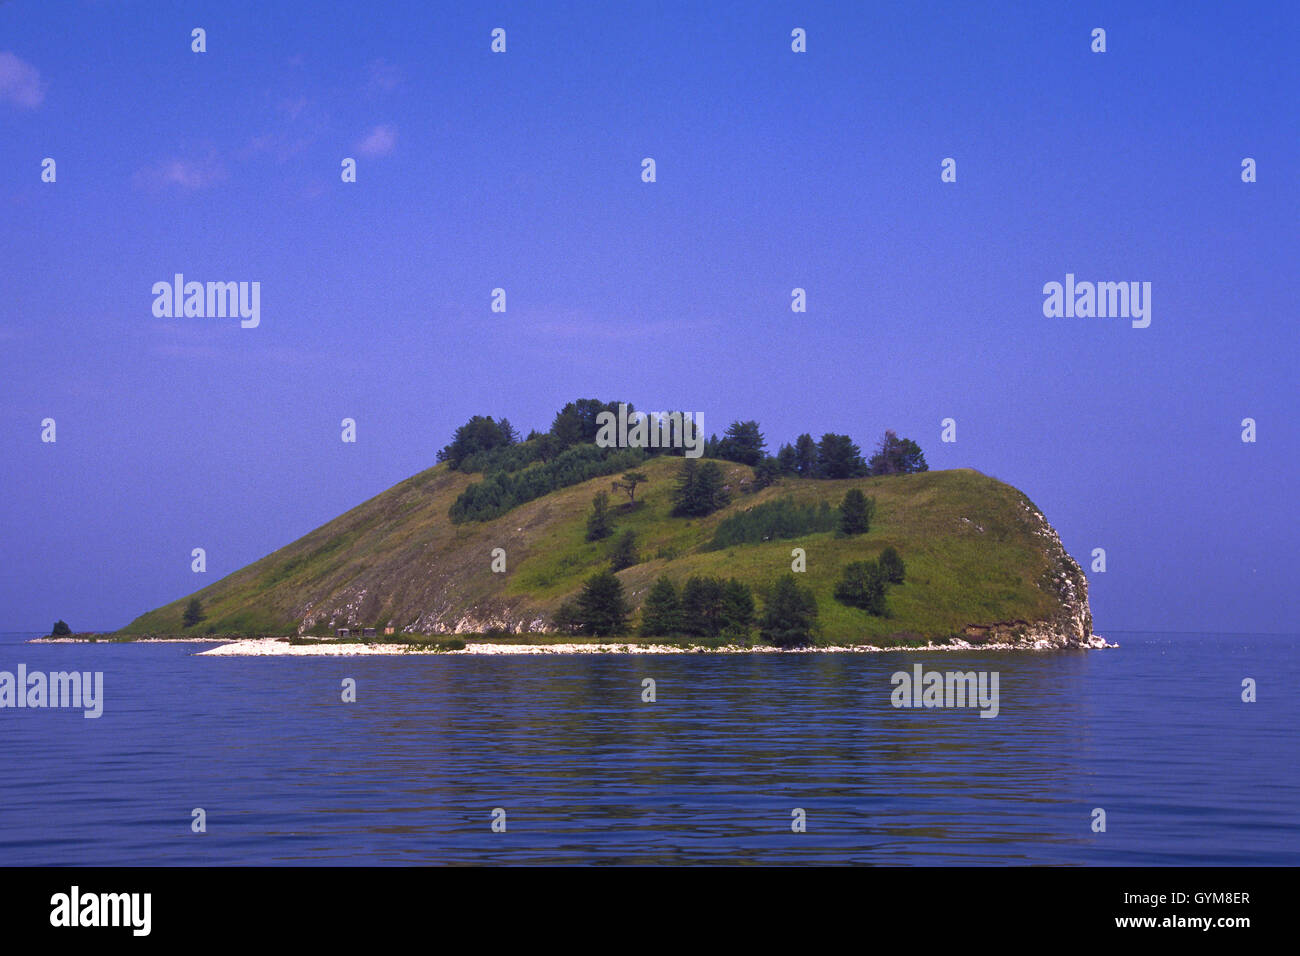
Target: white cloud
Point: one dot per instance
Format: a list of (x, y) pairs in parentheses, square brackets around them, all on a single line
[(20, 82), (183, 173), (378, 142)]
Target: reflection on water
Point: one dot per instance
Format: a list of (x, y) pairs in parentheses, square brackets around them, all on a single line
[(1154, 733)]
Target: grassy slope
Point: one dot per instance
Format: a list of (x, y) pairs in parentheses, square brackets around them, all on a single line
[(399, 557)]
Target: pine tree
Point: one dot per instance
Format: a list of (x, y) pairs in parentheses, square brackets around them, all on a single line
[(598, 523), (897, 456), (601, 607), (662, 612), (686, 489), (624, 553), (712, 494), (838, 457), (737, 610), (787, 460), (702, 606), (805, 456), (479, 434), (629, 483), (766, 472), (699, 490), (742, 443), (856, 512), (790, 615), (193, 613)]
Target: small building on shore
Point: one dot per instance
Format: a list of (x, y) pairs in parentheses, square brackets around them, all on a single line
[(342, 632)]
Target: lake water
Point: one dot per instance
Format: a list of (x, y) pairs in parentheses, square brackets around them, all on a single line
[(1154, 732)]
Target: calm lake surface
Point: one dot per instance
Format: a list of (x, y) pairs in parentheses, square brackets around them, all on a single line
[(1153, 732)]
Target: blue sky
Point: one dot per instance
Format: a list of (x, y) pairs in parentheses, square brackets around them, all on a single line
[(775, 170)]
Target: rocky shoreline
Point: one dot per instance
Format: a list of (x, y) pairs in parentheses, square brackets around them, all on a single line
[(1005, 636), (273, 648)]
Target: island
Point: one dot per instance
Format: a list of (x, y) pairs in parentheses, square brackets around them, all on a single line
[(582, 538)]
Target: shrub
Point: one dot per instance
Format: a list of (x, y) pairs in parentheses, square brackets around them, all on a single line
[(567, 619), (772, 520), (500, 491), (60, 629), (862, 585), (893, 566)]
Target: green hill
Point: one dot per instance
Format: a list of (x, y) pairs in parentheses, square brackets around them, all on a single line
[(982, 562)]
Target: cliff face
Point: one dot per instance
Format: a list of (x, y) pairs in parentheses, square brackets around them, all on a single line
[(1070, 623), (983, 564)]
